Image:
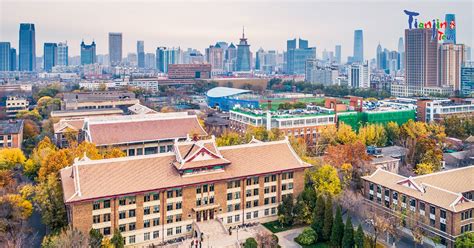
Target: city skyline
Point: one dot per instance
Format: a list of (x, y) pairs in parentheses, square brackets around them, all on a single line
[(328, 28)]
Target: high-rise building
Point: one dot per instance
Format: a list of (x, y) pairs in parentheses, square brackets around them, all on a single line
[(358, 47), (380, 57), (401, 54), (467, 79), (63, 54), (88, 53), (468, 53), (215, 57), (359, 76), (50, 56), (27, 46), (5, 56), (421, 60), (451, 59), (296, 57), (166, 56), (141, 53), (259, 59), (231, 58), (115, 48), (13, 63), (338, 54), (450, 32), (150, 61), (317, 73), (243, 62)]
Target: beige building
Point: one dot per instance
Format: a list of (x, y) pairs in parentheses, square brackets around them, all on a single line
[(15, 104), (155, 198), (442, 201), (98, 100), (451, 58)]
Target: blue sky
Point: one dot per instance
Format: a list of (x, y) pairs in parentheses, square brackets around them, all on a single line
[(198, 24)]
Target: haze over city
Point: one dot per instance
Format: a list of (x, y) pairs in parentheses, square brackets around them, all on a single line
[(198, 24)]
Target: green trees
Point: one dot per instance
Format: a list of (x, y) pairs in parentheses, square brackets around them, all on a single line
[(328, 219), (95, 238), (337, 232), (49, 201), (250, 243), (359, 237), (457, 127), (307, 237), (318, 217), (286, 211), (117, 239), (348, 238), (465, 241)]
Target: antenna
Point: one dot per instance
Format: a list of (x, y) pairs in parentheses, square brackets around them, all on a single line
[(243, 32)]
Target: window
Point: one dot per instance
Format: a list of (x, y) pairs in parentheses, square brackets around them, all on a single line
[(442, 227), (211, 187), (283, 187), (198, 202), (432, 210), (146, 198), (146, 223), (466, 215), (131, 200), (156, 209), (156, 197), (267, 212), (371, 186), (290, 186), (107, 204), (146, 210), (179, 205), (146, 236), (179, 192), (237, 218), (178, 230), (96, 205), (248, 181), (274, 178), (266, 201), (204, 188), (189, 228), (266, 179), (442, 214), (122, 228), (131, 152), (229, 208), (169, 206), (255, 203), (248, 204), (131, 226), (274, 188), (248, 215), (156, 234), (237, 206), (255, 191), (229, 219), (156, 221), (169, 194), (169, 219), (266, 190), (229, 196), (237, 195), (140, 151), (273, 211), (131, 213), (255, 214), (178, 217), (107, 231), (290, 175), (96, 219), (273, 200), (248, 193), (162, 149), (122, 215), (169, 148), (169, 231), (421, 206), (106, 217), (131, 239)]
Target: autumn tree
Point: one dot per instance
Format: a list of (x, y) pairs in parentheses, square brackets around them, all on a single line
[(345, 134), (424, 168), (39, 155), (229, 139), (49, 201), (67, 237), (325, 180), (372, 135), (14, 213), (11, 157), (392, 131), (52, 164), (266, 239)]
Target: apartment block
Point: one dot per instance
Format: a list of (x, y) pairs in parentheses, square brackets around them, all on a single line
[(11, 133)]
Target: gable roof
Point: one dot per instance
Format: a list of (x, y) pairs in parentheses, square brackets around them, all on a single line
[(63, 125), (131, 175)]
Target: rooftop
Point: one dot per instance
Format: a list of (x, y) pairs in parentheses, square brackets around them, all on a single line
[(86, 112), (11, 126), (94, 179), (97, 96), (292, 113), (225, 92), (443, 189)]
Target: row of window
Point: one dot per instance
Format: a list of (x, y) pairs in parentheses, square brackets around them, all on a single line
[(105, 204), (255, 180), (169, 206), (466, 228), (148, 150), (466, 214), (250, 215), (96, 218), (205, 188), (204, 201)]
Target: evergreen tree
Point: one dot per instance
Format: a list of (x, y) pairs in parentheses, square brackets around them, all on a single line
[(337, 229), (117, 239), (328, 219), (359, 237), (318, 217), (95, 238), (348, 238)]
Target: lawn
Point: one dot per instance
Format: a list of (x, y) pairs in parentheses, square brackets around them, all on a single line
[(275, 226)]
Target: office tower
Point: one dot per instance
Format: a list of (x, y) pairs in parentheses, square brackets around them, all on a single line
[(27, 47), (467, 79), (13, 59), (325, 55), (259, 59), (317, 73), (5, 58), (296, 57), (215, 57), (468, 53), (358, 47), (359, 76), (451, 59), (115, 48), (150, 61), (421, 59), (141, 53), (50, 56), (131, 60), (243, 55), (167, 56), (450, 32), (230, 58), (63, 53), (88, 53), (224, 46), (338, 54), (380, 57), (392, 62), (401, 54)]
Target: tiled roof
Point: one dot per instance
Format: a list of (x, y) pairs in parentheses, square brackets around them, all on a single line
[(130, 175), (75, 124), (11, 126), (140, 129), (443, 189)]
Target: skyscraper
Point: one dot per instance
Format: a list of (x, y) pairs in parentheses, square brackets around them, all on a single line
[(421, 59), (450, 32), (215, 57), (380, 57), (230, 57), (338, 54), (358, 47), (167, 56), (259, 59), (401, 54), (5, 56), (451, 59), (115, 48), (88, 53), (296, 57), (13, 59), (141, 53), (50, 56), (27, 46), (63, 53), (150, 61), (467, 79), (243, 54), (359, 76)]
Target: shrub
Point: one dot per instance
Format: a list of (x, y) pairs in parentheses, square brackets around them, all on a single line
[(307, 237)]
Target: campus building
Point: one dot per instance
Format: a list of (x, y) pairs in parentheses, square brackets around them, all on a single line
[(98, 100), (11, 133), (151, 199), (142, 134), (436, 110), (441, 201), (15, 104)]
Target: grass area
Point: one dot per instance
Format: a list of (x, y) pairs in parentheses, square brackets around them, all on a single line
[(275, 227)]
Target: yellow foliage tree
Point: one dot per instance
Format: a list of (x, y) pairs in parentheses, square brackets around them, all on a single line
[(53, 163), (424, 168), (325, 180), (373, 135), (229, 139), (22, 208), (345, 134), (11, 157), (37, 157), (329, 135)]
